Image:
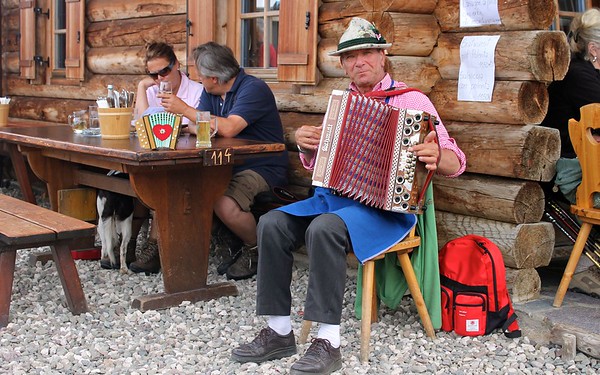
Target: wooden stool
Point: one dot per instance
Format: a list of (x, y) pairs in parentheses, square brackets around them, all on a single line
[(588, 153), (369, 299), (24, 225)]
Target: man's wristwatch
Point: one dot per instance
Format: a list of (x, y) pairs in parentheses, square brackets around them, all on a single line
[(302, 151)]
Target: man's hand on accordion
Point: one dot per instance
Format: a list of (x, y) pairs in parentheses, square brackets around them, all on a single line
[(444, 161), (429, 151), (308, 138)]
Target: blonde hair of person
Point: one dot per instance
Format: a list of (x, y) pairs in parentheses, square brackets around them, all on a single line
[(585, 29)]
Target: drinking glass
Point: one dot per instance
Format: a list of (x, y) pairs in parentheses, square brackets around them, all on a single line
[(165, 87), (93, 121), (203, 133)]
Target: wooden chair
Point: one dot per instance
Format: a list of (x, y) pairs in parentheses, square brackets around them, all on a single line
[(588, 153), (369, 300)]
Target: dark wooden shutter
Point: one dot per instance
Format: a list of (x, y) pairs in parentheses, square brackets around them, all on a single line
[(297, 55), (201, 24), (27, 43), (75, 48)]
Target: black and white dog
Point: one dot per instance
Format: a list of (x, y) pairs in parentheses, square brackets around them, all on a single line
[(115, 212)]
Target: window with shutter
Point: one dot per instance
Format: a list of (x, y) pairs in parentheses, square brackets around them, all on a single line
[(298, 41), (60, 52), (27, 42), (272, 39), (201, 25)]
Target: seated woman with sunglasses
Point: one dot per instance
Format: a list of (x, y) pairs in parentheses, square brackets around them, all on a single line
[(162, 65)]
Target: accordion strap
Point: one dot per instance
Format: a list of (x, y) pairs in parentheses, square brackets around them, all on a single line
[(392, 91)]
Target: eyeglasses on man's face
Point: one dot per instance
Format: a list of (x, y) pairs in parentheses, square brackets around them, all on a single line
[(163, 72)]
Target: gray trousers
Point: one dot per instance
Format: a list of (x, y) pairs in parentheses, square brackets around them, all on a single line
[(327, 242)]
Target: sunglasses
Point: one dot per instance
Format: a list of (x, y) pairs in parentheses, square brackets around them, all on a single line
[(163, 72)]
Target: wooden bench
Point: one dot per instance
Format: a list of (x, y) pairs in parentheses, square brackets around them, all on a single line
[(24, 225)]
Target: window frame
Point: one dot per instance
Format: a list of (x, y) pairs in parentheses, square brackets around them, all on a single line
[(569, 15)]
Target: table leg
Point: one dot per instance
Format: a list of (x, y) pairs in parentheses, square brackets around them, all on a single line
[(7, 274), (182, 197), (18, 162)]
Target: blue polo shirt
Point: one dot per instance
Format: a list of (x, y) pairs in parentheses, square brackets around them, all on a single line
[(251, 99)]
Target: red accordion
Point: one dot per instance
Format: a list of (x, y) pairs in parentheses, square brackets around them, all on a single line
[(363, 153)]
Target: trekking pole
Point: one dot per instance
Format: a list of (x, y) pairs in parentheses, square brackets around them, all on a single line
[(590, 253)]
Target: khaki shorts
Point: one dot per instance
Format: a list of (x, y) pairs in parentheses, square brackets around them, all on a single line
[(244, 186)]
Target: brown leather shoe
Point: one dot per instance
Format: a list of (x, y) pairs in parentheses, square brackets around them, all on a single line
[(266, 346), (320, 358)]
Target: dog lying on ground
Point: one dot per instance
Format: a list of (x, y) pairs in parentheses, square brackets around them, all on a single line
[(115, 212)]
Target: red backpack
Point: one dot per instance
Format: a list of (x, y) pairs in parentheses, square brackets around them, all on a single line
[(475, 299)]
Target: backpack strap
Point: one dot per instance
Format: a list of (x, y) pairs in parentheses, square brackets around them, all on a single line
[(505, 327)]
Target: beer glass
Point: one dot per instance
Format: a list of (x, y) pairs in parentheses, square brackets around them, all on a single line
[(203, 132)]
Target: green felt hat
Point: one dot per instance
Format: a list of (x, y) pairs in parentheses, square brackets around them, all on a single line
[(360, 34)]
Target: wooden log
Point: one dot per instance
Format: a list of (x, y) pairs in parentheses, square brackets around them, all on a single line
[(9, 4), (301, 103), (334, 11), (410, 34), (522, 245), (523, 285), (539, 55), (94, 87), (526, 152), (122, 60), (106, 10), (137, 32), (10, 62), (330, 13), (45, 109), (10, 29), (404, 6), (514, 15), (493, 198), (513, 102)]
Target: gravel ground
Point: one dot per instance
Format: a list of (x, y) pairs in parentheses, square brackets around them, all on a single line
[(43, 337)]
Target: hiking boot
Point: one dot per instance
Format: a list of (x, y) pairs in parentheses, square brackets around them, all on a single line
[(227, 256), (266, 346), (129, 258), (587, 282), (149, 260), (320, 358), (245, 265), (224, 245)]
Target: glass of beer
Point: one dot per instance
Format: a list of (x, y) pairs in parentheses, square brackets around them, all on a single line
[(203, 131)]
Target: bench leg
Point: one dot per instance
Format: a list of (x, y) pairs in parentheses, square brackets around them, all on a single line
[(69, 278), (7, 273)]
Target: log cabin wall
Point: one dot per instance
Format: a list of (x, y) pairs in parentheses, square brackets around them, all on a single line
[(508, 154)]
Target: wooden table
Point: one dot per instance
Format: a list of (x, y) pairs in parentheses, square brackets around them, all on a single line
[(179, 185), (17, 160)]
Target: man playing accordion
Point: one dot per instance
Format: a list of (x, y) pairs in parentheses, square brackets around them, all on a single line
[(331, 225)]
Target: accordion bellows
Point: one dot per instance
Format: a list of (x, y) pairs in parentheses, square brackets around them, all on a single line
[(363, 153), (158, 130)]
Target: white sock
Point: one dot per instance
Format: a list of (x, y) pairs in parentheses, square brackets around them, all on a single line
[(280, 324), (330, 332)]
